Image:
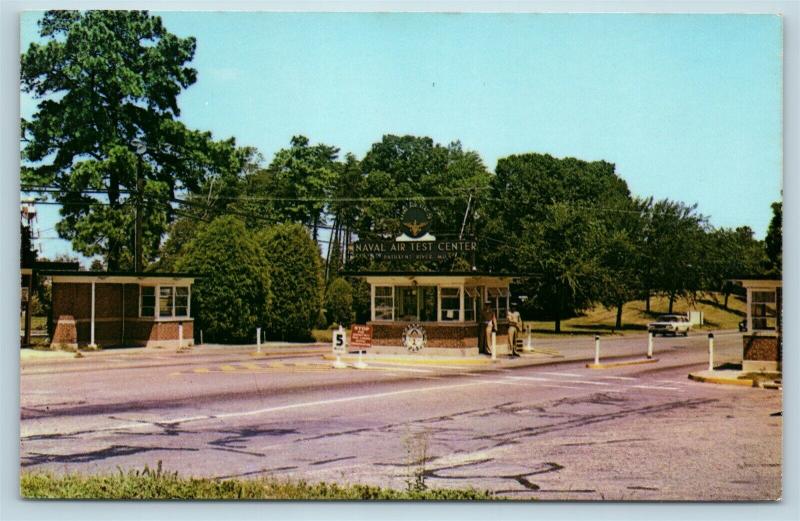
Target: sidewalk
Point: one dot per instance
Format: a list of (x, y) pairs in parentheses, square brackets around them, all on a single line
[(738, 377)]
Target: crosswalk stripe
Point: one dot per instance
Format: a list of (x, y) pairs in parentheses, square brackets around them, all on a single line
[(655, 387), (228, 368), (619, 377)]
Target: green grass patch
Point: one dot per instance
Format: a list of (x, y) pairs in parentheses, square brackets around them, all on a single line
[(601, 320), (159, 484)]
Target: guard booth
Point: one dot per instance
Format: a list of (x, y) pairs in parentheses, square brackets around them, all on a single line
[(121, 309), (435, 313), (762, 343)]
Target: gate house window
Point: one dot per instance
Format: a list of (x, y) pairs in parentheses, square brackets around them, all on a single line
[(763, 310), (384, 303), (148, 303), (471, 303), (451, 304), (173, 301)]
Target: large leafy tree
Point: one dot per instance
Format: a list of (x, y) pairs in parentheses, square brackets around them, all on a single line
[(296, 274), (104, 79), (548, 218), (403, 171), (674, 250), (233, 293), (295, 186)]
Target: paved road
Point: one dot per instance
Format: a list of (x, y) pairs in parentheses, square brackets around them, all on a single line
[(529, 428)]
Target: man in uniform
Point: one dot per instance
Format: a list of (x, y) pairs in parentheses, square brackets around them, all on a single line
[(514, 328), (489, 323)]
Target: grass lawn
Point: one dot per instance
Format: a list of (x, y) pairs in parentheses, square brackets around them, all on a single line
[(157, 484), (36, 323), (600, 320)]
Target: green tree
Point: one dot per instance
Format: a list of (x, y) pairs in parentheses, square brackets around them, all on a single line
[(295, 185), (296, 274), (339, 302), (105, 79), (731, 254), (233, 293), (773, 242), (548, 217), (674, 250), (403, 171), (621, 255)]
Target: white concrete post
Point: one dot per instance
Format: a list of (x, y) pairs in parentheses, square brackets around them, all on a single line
[(649, 344), (529, 341), (494, 345), (180, 335), (711, 351), (258, 340), (91, 328), (597, 349), (201, 337)]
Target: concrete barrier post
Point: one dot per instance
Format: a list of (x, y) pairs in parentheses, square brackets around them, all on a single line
[(649, 344), (201, 337), (180, 335), (494, 345), (597, 349), (711, 351), (258, 340), (529, 340)]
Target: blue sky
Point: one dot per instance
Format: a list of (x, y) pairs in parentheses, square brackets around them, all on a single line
[(687, 106)]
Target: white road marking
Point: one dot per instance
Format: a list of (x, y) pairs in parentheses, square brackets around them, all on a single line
[(656, 387), (534, 378), (562, 374), (619, 377), (266, 410)]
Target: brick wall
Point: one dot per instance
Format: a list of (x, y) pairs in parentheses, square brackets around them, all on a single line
[(762, 347), (439, 335), (72, 313)]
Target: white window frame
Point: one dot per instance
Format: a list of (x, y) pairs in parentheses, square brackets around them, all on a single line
[(460, 310), (157, 304), (372, 307), (751, 301)]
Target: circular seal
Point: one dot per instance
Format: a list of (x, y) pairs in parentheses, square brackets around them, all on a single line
[(414, 337), (415, 222)]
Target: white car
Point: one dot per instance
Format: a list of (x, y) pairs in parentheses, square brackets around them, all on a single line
[(670, 325)]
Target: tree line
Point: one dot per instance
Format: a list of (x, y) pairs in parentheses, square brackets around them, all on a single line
[(270, 237)]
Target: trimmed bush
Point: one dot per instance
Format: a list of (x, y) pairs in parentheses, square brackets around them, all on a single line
[(232, 296), (339, 302), (296, 274)]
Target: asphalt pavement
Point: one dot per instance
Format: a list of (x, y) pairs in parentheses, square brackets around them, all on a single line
[(544, 426)]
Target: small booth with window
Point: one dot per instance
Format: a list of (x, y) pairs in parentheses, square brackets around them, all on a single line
[(762, 342), (435, 313), (121, 309)]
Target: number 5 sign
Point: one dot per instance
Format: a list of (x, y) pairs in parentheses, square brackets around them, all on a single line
[(339, 341)]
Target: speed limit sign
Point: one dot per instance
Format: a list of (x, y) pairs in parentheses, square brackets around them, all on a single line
[(339, 342)]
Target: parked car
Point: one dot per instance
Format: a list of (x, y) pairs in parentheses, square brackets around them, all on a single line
[(670, 325), (743, 326)]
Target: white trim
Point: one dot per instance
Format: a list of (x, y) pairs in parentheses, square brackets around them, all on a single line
[(126, 279), (91, 327)]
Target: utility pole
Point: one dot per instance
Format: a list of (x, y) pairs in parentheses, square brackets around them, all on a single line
[(141, 148)]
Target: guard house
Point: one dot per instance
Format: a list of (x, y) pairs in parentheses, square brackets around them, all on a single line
[(121, 309), (435, 313), (762, 343)]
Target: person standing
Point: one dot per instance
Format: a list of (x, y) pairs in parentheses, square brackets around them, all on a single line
[(514, 328), (489, 321)]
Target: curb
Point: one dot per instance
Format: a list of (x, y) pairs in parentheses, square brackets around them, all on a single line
[(422, 361), (721, 381), (609, 365)]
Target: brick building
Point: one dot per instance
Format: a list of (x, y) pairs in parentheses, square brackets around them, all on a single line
[(121, 309)]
